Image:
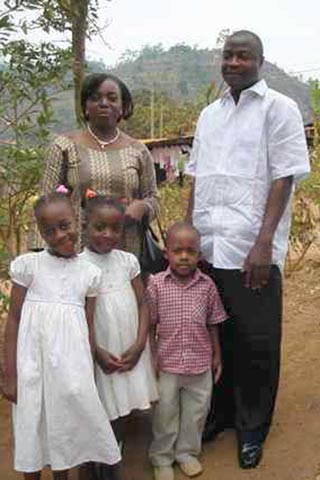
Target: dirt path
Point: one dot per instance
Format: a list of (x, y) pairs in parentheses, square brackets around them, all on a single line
[(292, 449)]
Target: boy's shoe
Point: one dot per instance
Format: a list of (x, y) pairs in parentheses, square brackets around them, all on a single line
[(192, 468), (163, 473)]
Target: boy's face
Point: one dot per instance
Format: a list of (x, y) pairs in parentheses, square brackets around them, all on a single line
[(183, 252), (58, 229)]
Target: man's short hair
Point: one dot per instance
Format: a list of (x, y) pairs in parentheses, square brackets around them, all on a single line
[(252, 37)]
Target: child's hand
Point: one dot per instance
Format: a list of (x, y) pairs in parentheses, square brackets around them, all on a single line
[(130, 357), (217, 367), (155, 364), (107, 361), (9, 389)]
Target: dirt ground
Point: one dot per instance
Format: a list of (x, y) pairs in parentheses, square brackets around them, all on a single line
[(292, 448)]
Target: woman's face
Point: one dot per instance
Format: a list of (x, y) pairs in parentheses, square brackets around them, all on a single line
[(104, 106)]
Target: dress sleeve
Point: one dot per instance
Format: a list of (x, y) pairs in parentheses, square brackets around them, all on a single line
[(151, 295), (148, 185), (21, 270), (50, 179), (94, 284), (133, 266), (216, 312)]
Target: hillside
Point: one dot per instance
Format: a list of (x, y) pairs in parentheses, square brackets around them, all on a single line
[(182, 73)]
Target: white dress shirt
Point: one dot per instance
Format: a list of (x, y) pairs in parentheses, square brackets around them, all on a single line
[(238, 151)]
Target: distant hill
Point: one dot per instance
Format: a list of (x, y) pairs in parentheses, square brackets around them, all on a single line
[(181, 72)]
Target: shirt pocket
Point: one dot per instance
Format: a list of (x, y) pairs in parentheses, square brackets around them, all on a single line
[(199, 310)]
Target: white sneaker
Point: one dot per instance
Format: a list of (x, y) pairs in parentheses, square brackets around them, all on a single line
[(192, 468), (163, 473)]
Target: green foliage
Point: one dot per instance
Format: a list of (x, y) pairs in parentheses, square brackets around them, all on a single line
[(4, 302), (34, 74), (306, 211), (315, 97), (171, 117), (182, 71), (173, 202), (49, 15)]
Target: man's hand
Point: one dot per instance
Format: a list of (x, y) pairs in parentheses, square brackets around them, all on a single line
[(257, 265)]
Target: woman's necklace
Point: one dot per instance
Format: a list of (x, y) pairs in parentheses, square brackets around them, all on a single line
[(101, 143)]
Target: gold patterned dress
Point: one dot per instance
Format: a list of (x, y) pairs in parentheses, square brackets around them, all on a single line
[(124, 172)]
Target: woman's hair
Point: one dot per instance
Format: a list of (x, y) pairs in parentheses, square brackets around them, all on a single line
[(49, 198), (91, 84), (99, 201)]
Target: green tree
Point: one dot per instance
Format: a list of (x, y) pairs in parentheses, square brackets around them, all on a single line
[(79, 17), (33, 75)]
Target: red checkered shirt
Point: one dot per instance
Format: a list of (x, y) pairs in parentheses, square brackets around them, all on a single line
[(183, 312)]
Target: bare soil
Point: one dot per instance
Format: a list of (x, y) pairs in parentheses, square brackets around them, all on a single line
[(292, 448)]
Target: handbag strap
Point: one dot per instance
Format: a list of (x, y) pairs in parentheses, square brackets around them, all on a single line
[(145, 225), (162, 234)]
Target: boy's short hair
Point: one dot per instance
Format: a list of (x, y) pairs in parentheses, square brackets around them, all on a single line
[(178, 226)]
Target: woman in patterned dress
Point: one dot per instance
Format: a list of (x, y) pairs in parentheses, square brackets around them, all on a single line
[(103, 158)]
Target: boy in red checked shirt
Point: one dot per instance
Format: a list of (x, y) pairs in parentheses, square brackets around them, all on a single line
[(185, 309)]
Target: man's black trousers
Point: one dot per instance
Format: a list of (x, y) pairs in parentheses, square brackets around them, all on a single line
[(250, 338)]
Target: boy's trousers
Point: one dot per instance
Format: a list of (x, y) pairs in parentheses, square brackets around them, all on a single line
[(179, 417)]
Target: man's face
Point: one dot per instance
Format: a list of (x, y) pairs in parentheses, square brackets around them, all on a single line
[(241, 63)]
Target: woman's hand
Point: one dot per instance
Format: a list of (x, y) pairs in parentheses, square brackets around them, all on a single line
[(9, 388), (131, 357), (136, 210), (107, 361)]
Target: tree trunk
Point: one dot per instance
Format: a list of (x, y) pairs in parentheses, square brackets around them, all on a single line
[(79, 31)]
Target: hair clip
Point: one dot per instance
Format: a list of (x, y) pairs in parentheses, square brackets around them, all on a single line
[(90, 193), (62, 189)]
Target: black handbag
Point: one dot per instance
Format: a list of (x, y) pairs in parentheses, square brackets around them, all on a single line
[(152, 258)]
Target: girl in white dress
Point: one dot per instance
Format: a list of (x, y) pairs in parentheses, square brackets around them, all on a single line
[(124, 374), (58, 417)]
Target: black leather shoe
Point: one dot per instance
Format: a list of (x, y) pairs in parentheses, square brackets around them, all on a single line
[(250, 454)]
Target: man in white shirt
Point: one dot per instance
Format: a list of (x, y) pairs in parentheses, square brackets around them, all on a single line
[(249, 151)]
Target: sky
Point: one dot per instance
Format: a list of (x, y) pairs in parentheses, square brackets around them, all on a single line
[(290, 29)]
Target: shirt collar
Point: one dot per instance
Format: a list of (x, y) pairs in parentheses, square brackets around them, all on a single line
[(259, 88), (196, 277)]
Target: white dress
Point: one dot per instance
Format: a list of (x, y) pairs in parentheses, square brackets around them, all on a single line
[(116, 327), (59, 419)]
